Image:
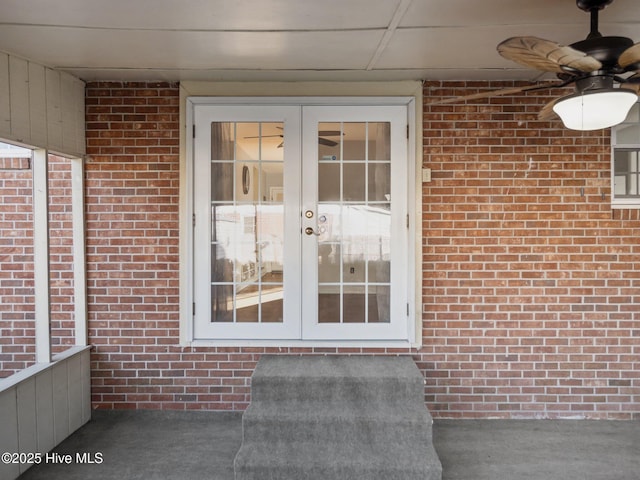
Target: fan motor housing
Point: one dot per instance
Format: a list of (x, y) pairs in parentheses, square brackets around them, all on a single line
[(588, 5), (606, 50)]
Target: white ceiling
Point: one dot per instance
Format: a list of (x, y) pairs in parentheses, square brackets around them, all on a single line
[(245, 40)]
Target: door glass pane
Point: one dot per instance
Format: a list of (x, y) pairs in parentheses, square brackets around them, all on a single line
[(247, 222), (354, 182), (247, 141), (272, 304), (379, 141), (378, 248), (328, 182), (221, 264), (329, 262), (379, 184), (270, 183), (354, 225), (355, 141), (222, 303), (247, 183), (330, 141), (354, 308), (270, 239), (329, 304), (221, 182), (272, 142), (222, 141), (353, 261), (378, 308)]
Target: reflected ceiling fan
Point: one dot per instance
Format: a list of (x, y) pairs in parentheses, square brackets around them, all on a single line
[(594, 65), (321, 135)]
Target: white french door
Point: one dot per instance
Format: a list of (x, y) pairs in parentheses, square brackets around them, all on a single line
[(354, 238), (300, 222)]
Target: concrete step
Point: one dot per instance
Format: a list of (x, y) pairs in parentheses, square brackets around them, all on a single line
[(335, 461), (337, 417), (319, 422), (365, 379)]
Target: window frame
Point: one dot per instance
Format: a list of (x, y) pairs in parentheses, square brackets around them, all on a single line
[(633, 119)]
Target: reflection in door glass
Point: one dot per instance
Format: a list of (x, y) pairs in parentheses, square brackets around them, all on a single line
[(354, 208), (247, 222)]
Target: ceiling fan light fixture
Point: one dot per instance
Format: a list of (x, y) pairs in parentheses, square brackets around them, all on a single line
[(595, 109)]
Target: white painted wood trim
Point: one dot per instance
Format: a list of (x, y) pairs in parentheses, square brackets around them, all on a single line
[(41, 255), (79, 259)]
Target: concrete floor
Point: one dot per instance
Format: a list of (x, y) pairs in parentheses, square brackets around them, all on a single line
[(156, 445)]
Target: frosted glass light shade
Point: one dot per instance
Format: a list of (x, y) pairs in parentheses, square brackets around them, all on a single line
[(595, 109)]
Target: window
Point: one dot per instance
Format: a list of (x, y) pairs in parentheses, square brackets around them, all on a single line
[(625, 158)]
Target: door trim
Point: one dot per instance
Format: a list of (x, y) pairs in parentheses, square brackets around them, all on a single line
[(414, 323)]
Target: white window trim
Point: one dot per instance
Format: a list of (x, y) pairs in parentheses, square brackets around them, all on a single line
[(623, 203), (414, 318)]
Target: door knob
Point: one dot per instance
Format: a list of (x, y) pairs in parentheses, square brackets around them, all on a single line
[(310, 231)]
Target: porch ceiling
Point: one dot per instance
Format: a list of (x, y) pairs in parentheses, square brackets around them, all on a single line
[(248, 40)]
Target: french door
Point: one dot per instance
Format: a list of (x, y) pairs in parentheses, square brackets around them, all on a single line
[(300, 222)]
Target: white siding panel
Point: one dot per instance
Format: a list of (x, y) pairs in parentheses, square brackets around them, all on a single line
[(81, 143), (19, 98), (41, 107), (35, 403), (70, 127), (5, 104), (44, 411), (54, 110), (74, 370), (60, 402), (37, 104), (9, 437), (27, 434), (86, 386)]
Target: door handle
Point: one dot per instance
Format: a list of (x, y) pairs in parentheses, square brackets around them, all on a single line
[(311, 231)]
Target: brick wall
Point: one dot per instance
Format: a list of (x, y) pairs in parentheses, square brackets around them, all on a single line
[(530, 288), (61, 254), (17, 334), (132, 245), (531, 280), (17, 301)]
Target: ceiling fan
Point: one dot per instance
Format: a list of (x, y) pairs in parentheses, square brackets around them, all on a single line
[(594, 65), (321, 135)]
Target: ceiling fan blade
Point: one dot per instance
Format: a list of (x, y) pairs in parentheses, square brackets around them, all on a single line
[(630, 58), (632, 83), (327, 142), (264, 136), (330, 133), (547, 113), (495, 93), (546, 55)]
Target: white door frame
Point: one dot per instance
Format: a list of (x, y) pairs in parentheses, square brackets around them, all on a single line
[(188, 333)]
